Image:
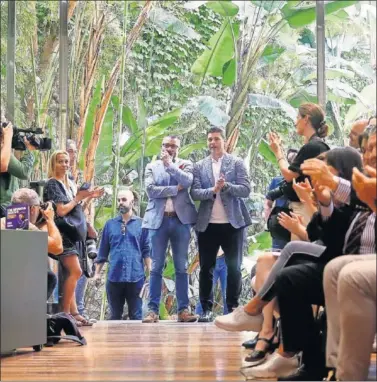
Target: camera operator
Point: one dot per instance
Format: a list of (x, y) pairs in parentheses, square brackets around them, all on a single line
[(312, 126), (15, 169), (41, 219), (6, 135)]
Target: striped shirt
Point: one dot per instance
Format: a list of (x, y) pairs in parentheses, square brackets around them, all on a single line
[(368, 237)]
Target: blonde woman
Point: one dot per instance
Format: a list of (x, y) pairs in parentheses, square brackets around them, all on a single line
[(64, 193)]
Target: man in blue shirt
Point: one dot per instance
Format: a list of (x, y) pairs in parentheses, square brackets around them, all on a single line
[(127, 243)]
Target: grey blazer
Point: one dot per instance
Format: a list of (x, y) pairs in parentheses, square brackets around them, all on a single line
[(161, 183), (237, 186)]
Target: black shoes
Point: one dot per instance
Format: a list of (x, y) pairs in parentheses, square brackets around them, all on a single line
[(250, 344), (206, 316)]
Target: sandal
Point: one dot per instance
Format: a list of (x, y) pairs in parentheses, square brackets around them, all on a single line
[(258, 356), (81, 320)]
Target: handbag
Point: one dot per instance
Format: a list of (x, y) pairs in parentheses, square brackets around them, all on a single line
[(277, 231), (73, 225)]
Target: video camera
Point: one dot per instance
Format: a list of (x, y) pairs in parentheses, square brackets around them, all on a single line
[(40, 143)]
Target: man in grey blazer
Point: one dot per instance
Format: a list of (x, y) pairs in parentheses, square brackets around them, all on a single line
[(220, 183), (169, 216)]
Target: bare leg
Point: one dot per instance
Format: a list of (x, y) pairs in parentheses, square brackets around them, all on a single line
[(268, 327), (264, 264), (72, 268)]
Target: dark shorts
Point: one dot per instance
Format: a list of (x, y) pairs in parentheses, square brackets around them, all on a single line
[(69, 249)]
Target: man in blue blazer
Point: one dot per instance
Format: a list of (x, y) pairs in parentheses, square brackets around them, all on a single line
[(220, 183), (169, 216)]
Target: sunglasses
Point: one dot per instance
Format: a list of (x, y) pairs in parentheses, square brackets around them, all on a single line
[(123, 229)]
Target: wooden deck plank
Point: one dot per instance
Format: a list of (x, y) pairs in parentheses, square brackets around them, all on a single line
[(126, 350)]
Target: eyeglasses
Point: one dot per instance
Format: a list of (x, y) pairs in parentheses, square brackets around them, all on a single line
[(170, 146), (123, 229)]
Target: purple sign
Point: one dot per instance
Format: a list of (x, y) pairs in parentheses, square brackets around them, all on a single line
[(17, 217)]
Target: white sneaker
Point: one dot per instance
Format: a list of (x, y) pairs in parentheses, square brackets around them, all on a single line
[(276, 366), (238, 320)]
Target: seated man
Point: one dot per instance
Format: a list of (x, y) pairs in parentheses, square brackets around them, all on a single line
[(350, 294), (40, 220)]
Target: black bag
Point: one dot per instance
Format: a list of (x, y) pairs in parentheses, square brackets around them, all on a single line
[(63, 321), (73, 225), (277, 231)]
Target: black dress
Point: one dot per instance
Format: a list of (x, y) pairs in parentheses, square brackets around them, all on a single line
[(55, 191)]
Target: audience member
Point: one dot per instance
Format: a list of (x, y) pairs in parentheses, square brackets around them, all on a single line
[(357, 130), (310, 124), (63, 192)]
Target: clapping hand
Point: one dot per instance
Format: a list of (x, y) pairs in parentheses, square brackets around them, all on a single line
[(303, 190), (319, 172), (275, 143), (291, 223), (365, 187), (97, 192), (220, 183)]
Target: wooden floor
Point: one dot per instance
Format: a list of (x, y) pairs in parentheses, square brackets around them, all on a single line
[(124, 350)]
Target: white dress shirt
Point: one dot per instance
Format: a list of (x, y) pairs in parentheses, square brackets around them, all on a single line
[(218, 215)]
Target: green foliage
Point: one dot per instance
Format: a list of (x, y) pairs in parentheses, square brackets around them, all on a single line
[(299, 17), (221, 50)]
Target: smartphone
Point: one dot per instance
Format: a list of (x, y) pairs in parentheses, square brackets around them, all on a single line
[(84, 187)]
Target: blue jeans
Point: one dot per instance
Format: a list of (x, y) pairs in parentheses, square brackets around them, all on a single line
[(179, 236), (220, 272), (278, 243), (80, 293), (118, 293)]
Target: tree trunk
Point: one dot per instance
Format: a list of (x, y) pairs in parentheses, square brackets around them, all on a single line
[(105, 100)]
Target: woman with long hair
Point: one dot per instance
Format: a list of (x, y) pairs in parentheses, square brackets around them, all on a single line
[(64, 193)]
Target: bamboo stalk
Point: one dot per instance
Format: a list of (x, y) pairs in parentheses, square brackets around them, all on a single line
[(105, 100), (119, 132)]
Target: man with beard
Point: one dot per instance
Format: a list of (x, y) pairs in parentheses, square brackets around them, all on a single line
[(169, 216), (125, 245)]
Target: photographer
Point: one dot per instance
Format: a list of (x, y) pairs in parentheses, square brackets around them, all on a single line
[(41, 219), (312, 126), (15, 169)]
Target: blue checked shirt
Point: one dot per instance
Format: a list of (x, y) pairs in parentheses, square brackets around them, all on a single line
[(125, 250)]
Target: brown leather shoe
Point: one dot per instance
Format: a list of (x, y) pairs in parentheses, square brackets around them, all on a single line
[(186, 316), (151, 317)]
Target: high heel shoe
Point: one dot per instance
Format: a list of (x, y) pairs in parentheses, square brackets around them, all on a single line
[(258, 356)]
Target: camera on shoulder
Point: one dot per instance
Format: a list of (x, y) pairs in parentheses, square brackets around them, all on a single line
[(33, 136)]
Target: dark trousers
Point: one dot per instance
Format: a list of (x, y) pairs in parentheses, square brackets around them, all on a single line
[(297, 288), (52, 280), (118, 293), (231, 241)]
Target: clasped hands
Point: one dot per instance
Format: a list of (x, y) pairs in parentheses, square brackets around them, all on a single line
[(220, 184)]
